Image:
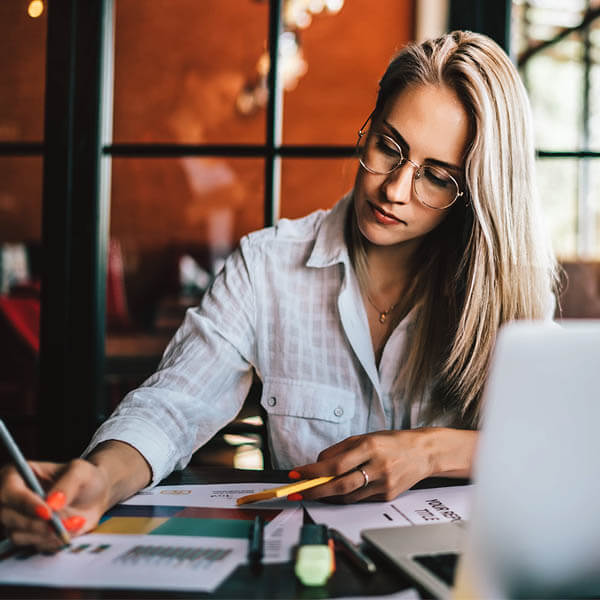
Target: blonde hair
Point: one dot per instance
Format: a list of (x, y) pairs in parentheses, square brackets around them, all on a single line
[(490, 260)]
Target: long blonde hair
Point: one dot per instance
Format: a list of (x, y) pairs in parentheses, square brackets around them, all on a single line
[(490, 260)]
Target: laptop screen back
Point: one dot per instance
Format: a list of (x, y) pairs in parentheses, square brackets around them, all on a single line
[(536, 515)]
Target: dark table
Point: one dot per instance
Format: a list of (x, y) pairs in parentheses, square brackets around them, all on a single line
[(274, 580)]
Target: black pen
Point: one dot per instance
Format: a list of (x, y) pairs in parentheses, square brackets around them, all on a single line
[(359, 558), (30, 479), (255, 543)]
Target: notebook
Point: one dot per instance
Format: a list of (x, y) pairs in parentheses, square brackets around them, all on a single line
[(535, 523)]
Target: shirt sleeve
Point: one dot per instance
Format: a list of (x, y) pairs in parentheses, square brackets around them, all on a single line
[(201, 381)]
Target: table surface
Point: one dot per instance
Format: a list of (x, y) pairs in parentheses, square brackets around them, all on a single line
[(274, 580)]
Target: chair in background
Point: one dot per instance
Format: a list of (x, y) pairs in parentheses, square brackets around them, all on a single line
[(581, 297)]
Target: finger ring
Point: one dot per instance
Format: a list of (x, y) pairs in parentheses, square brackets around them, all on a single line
[(364, 474)]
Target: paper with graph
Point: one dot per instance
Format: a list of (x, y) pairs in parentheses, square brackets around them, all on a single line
[(154, 546)]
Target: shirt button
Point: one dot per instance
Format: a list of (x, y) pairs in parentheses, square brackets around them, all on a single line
[(338, 411), (272, 401)]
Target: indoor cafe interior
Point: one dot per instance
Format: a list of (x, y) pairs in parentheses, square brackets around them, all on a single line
[(139, 141)]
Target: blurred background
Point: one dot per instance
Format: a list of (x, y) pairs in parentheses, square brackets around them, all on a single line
[(140, 140)]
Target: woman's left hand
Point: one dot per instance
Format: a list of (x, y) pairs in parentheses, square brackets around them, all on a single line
[(377, 466)]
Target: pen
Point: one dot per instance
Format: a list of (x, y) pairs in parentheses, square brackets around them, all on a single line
[(359, 558), (30, 479), (255, 544)]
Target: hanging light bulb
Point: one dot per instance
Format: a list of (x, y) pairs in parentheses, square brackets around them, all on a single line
[(35, 8), (296, 15)]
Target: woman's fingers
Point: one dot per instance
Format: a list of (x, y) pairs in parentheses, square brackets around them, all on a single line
[(75, 491), (376, 465), (15, 494), (14, 520)]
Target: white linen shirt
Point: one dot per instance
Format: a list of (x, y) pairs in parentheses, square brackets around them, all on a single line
[(287, 303)]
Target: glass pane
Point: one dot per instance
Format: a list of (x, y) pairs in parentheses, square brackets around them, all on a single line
[(20, 199), (308, 184), (595, 99), (22, 72), (557, 115), (557, 181), (344, 55), (180, 66), (162, 209), (594, 205)]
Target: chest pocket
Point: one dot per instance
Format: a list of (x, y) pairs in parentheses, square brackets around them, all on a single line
[(305, 418)]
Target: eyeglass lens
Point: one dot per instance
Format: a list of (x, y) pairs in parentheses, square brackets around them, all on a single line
[(435, 187)]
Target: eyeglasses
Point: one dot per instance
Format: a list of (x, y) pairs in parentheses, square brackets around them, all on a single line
[(381, 155)]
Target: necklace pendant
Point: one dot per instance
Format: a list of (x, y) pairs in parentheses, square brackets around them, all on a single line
[(382, 317)]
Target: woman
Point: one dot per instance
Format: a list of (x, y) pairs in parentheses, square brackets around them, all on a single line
[(371, 325)]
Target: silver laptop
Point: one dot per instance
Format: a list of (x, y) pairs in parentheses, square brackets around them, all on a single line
[(535, 524)]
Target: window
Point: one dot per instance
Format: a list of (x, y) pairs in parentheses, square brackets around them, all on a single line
[(557, 46)]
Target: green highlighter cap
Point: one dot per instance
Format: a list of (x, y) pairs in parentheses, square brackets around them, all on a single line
[(314, 560)]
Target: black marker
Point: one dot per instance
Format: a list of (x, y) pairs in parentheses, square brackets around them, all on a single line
[(255, 543)]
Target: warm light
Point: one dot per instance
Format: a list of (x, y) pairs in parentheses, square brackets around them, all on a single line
[(35, 8)]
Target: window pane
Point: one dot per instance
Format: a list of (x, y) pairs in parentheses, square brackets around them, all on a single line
[(557, 181), (20, 199), (345, 55), (594, 202), (595, 98), (555, 82), (22, 72), (164, 208), (310, 184), (180, 66)]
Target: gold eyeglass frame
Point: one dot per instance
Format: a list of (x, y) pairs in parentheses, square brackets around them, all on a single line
[(417, 173)]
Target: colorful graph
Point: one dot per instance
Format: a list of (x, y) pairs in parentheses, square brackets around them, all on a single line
[(182, 521)]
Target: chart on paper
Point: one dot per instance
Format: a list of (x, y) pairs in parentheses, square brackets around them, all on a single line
[(128, 561)]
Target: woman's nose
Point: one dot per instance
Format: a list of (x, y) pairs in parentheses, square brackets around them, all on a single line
[(398, 185)]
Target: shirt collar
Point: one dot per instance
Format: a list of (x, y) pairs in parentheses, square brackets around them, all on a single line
[(330, 244)]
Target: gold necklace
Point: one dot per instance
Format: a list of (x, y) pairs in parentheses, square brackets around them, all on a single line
[(383, 314)]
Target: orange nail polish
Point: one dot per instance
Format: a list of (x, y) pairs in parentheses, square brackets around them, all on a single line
[(294, 475), (73, 523), (43, 512), (294, 497), (56, 500)]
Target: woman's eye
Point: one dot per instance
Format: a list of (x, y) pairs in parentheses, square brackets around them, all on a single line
[(387, 147), (437, 178)]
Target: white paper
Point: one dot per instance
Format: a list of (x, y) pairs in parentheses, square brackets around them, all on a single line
[(414, 507), (219, 495), (116, 567), (281, 535)]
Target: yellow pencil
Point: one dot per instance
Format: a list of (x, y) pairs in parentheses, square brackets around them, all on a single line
[(284, 490)]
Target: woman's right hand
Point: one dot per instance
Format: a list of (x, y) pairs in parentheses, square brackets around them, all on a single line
[(77, 491)]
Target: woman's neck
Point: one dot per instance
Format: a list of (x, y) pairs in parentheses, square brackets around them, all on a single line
[(390, 266)]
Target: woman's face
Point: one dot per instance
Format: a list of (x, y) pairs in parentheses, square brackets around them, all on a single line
[(431, 126)]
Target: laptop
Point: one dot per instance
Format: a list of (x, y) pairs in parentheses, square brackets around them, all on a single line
[(534, 529)]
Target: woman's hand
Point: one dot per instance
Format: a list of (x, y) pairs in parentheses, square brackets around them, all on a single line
[(76, 491), (79, 491), (392, 461)]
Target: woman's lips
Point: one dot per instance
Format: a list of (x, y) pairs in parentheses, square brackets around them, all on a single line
[(383, 217)]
